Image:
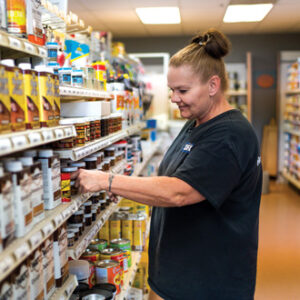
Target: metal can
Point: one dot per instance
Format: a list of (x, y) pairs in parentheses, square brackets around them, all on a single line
[(117, 255), (98, 244), (139, 233), (125, 246), (127, 226), (127, 254), (109, 271), (92, 256), (104, 232), (115, 227)]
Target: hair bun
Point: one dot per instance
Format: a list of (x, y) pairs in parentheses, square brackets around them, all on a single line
[(215, 43)]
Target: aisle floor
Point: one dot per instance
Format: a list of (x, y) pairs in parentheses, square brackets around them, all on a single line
[(278, 276)]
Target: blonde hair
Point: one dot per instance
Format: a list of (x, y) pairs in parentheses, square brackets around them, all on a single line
[(205, 55)]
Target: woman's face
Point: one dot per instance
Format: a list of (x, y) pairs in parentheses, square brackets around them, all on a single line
[(189, 93)]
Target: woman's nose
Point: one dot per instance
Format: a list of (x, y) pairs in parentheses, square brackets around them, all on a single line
[(175, 98)]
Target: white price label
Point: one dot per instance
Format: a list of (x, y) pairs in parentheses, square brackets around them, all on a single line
[(47, 135), (74, 207), (19, 141), (48, 229), (59, 133), (68, 132), (58, 220), (34, 138), (13, 42), (22, 251), (5, 145), (67, 212), (35, 239), (6, 264), (29, 47), (42, 52)]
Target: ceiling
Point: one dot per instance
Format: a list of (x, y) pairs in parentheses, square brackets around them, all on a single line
[(119, 17)]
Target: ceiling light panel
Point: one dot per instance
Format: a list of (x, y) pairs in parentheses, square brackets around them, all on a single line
[(246, 13), (159, 15)]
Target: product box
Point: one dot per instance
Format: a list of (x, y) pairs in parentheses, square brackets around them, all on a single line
[(17, 99), (5, 120), (32, 108), (56, 102), (46, 99)]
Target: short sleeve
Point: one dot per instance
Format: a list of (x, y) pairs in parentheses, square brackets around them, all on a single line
[(212, 170)]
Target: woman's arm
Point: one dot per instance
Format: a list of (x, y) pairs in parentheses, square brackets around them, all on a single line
[(155, 191)]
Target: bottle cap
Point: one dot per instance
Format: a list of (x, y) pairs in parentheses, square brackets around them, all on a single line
[(8, 62), (26, 161), (13, 166), (24, 66), (46, 153), (30, 153)]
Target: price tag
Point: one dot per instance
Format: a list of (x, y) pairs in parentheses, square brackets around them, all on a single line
[(48, 229), (67, 212), (35, 239), (5, 145), (42, 52), (13, 42), (58, 220), (68, 132), (47, 135), (59, 133), (29, 47), (19, 141), (34, 138), (6, 264), (22, 251)]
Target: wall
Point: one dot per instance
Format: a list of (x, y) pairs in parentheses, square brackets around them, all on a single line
[(264, 49)]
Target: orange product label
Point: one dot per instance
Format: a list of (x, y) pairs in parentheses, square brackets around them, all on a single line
[(110, 275), (16, 16), (120, 102), (115, 229)]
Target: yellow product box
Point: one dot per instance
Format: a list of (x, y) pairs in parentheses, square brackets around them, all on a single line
[(104, 232), (46, 99), (31, 97), (56, 102), (5, 122), (17, 99), (126, 203)]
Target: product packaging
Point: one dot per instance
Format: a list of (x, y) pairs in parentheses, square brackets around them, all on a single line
[(5, 119), (51, 178), (31, 98), (16, 17), (34, 21), (22, 281), (36, 275), (16, 93)]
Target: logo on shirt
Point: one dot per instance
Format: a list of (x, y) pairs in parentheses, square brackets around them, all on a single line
[(187, 147), (258, 161)]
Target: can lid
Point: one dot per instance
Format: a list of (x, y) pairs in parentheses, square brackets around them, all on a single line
[(30, 153), (94, 211), (79, 212), (120, 241), (80, 268), (8, 62), (13, 166), (24, 66), (41, 68), (26, 161), (88, 203), (91, 158), (97, 154), (87, 215), (46, 153), (73, 229), (69, 169), (70, 234), (77, 164), (76, 225), (107, 263)]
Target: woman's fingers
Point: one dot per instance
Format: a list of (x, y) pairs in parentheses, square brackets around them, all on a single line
[(75, 174)]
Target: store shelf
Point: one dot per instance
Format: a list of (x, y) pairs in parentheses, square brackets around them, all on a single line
[(232, 93), (293, 92), (21, 248), (129, 277), (147, 155), (291, 131), (92, 147), (19, 141), (291, 179), (79, 247), (14, 47), (74, 93), (65, 292)]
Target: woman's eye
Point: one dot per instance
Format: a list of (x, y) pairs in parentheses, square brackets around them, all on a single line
[(182, 91)]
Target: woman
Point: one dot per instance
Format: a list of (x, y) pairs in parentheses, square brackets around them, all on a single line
[(204, 227)]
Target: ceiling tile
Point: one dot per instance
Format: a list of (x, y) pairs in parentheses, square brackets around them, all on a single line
[(153, 3), (238, 27), (174, 29)]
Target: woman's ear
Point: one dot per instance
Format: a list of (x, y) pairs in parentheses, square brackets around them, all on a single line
[(214, 84)]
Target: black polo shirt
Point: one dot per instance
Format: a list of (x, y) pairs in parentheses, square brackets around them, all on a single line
[(208, 250)]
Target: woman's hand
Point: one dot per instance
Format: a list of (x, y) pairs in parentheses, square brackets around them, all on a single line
[(90, 181)]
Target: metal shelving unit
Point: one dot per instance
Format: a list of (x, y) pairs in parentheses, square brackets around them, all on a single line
[(65, 292), (22, 140), (94, 146), (74, 93)]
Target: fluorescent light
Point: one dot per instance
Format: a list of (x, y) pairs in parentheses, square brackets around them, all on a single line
[(159, 15), (246, 13)]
